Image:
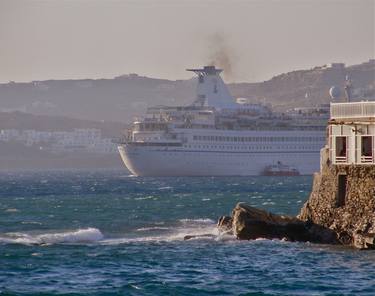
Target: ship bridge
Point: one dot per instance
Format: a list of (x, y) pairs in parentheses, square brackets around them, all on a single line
[(211, 89)]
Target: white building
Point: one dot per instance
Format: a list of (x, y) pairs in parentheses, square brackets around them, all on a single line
[(337, 66), (7, 135), (352, 133), (78, 140), (89, 140)]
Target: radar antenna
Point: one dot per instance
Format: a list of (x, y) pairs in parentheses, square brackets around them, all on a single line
[(348, 88)]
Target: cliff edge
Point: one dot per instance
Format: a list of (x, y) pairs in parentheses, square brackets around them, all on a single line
[(343, 200)]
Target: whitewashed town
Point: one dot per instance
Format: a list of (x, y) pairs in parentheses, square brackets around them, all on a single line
[(77, 140)]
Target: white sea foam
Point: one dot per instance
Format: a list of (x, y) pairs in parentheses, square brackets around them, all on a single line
[(152, 228), (136, 287), (88, 235), (31, 222), (11, 210), (268, 203), (143, 198), (196, 229), (206, 233), (165, 188), (201, 220)]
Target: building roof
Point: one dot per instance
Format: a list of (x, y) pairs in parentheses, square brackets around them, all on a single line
[(353, 111)]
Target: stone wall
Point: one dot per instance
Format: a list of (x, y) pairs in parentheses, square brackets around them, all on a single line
[(354, 220)]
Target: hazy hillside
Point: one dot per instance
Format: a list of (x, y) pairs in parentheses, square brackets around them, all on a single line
[(309, 87), (122, 98), (118, 99)]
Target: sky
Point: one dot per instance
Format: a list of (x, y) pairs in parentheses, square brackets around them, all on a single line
[(252, 40)]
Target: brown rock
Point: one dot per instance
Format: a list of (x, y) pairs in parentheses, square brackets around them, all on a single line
[(252, 223)]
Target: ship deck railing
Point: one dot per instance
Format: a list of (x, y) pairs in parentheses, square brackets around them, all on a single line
[(169, 144)]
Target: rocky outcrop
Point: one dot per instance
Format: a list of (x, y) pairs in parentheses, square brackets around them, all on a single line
[(332, 215), (249, 223), (351, 216)]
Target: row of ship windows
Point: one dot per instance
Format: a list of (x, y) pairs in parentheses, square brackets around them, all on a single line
[(251, 147), (258, 139), (204, 160)]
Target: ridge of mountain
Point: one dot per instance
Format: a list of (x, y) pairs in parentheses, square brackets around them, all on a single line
[(123, 97)]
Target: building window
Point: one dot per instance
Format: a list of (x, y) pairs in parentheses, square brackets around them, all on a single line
[(341, 190), (366, 146), (366, 149), (341, 149)]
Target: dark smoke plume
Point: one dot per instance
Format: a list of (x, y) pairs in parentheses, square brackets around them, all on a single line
[(222, 55)]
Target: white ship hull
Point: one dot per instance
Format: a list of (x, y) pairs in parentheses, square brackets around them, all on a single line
[(156, 161)]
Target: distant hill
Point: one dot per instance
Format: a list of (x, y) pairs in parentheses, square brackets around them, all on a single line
[(310, 87), (118, 99), (124, 97)]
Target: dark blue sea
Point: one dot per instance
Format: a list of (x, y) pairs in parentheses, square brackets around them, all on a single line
[(107, 233)]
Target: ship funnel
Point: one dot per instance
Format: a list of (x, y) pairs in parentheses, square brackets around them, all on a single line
[(211, 89)]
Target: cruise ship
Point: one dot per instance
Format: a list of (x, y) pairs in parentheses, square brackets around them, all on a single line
[(219, 136)]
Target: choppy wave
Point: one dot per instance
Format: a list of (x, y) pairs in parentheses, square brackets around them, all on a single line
[(12, 210), (115, 258), (195, 221), (165, 188), (154, 228), (88, 235), (177, 235), (193, 229)]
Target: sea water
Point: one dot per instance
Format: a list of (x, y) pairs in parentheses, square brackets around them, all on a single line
[(108, 233)]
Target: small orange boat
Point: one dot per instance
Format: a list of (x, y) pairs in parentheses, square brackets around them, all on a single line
[(280, 169)]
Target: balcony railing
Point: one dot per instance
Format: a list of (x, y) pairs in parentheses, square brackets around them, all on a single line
[(341, 159), (353, 110), (367, 159)]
